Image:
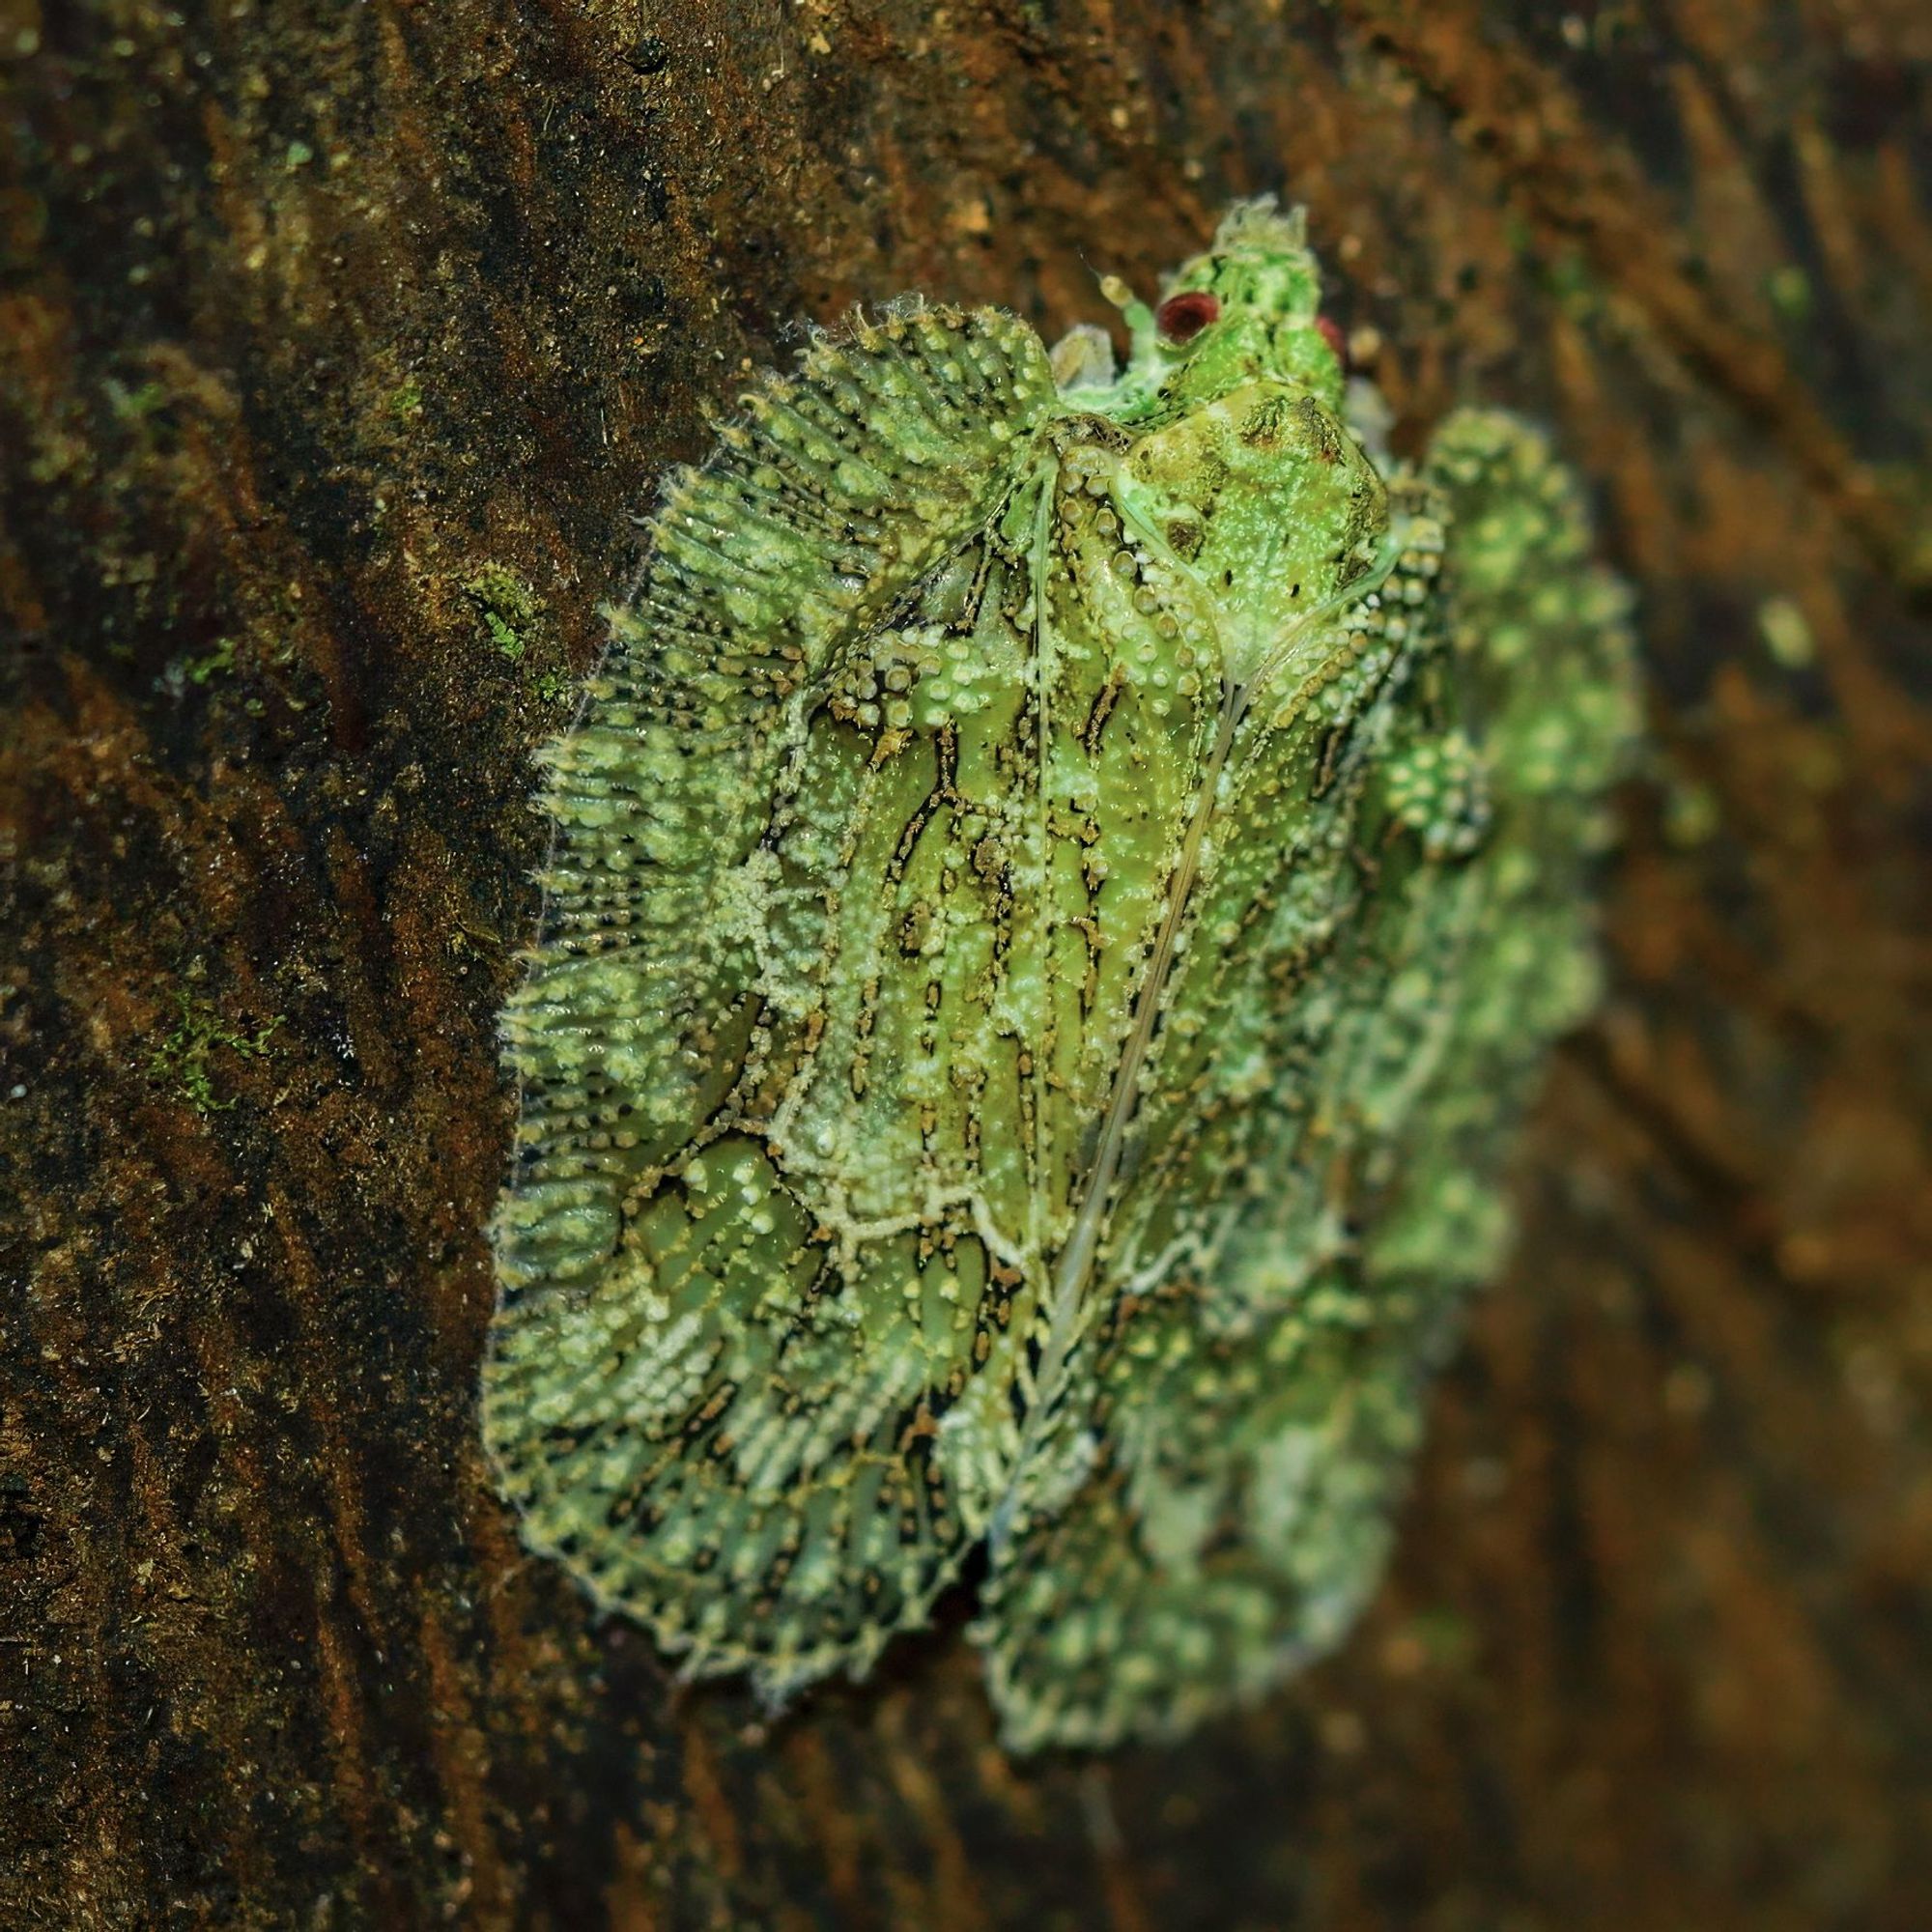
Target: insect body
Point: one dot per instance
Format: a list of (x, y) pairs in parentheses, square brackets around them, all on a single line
[(1061, 888)]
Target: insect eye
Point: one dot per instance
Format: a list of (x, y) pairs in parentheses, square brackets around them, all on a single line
[(1331, 335), (1182, 318)]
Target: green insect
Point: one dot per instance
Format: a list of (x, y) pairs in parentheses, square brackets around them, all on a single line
[(1062, 889)]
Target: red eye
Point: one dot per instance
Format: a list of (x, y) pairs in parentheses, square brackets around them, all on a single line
[(1331, 335), (1182, 318)]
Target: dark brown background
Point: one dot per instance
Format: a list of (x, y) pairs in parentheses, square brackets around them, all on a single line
[(310, 313)]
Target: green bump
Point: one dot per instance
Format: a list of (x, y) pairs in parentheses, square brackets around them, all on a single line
[(1059, 899)]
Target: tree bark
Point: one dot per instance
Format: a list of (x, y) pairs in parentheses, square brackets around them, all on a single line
[(337, 347)]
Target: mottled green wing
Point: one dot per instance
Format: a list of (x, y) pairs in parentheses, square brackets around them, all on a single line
[(1318, 1171), (734, 1293), (1541, 650), (1225, 1524)]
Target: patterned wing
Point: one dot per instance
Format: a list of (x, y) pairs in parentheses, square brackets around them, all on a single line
[(741, 1275), (1319, 1152), (1541, 647)]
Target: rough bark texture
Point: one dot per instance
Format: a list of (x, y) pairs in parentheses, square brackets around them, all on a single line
[(335, 345)]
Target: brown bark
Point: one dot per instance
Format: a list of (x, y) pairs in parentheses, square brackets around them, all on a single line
[(335, 345)]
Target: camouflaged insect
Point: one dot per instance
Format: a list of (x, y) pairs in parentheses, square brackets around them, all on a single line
[(1061, 888)]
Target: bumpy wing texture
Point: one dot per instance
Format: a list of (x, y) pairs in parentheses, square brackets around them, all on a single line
[(706, 1391), (1308, 1236)]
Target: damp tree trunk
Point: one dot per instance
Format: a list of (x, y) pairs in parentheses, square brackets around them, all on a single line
[(338, 347)]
